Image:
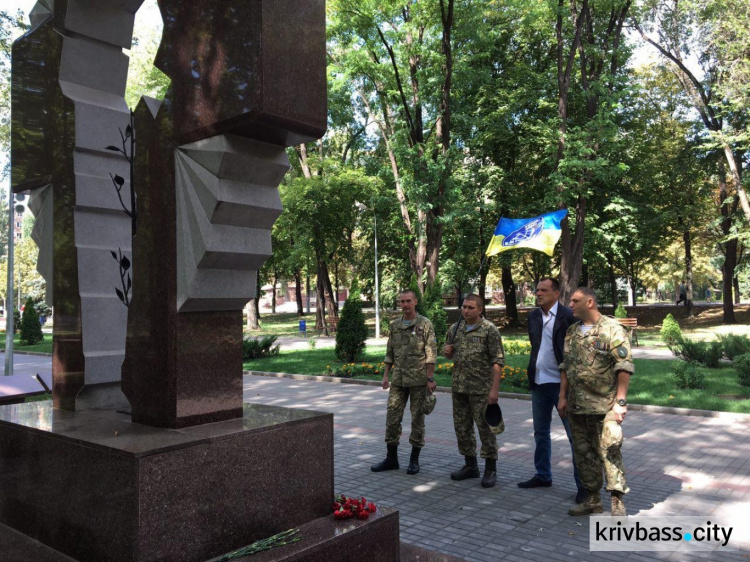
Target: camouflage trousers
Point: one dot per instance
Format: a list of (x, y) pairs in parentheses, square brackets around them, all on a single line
[(468, 409), (397, 398), (597, 441)]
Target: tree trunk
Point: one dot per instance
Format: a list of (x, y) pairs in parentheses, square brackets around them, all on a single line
[(736, 283), (727, 208), (332, 304), (688, 271), (253, 314), (298, 292), (320, 315), (509, 288), (273, 291)]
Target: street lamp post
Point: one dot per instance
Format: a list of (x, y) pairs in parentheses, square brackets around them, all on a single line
[(12, 208), (377, 284)]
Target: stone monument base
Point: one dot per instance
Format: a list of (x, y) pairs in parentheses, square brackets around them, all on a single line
[(95, 486)]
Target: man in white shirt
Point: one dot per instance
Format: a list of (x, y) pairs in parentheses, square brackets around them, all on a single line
[(547, 327)]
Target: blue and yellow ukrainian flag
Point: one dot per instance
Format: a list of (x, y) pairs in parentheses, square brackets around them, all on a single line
[(540, 233)]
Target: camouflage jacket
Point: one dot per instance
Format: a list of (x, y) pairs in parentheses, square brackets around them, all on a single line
[(591, 362), (409, 350), (474, 353)]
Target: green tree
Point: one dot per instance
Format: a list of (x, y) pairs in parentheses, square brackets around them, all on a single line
[(352, 331), (31, 329), (716, 33)]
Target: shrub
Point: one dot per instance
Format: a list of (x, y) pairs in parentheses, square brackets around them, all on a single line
[(708, 353), (351, 370), (734, 345), (352, 331), (742, 366), (254, 348), (620, 311), (687, 374), (311, 343), (513, 347), (16, 320), (31, 329), (670, 330), (515, 377)]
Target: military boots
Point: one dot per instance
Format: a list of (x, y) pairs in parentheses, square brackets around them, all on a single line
[(490, 473), (593, 504), (468, 470), (414, 461), (618, 506), (390, 462)]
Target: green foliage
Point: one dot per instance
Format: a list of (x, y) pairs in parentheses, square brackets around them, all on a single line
[(255, 348), (43, 309), (385, 324), (620, 311), (708, 353), (670, 330), (516, 377), (16, 320), (421, 302), (352, 331), (433, 305), (688, 374), (734, 344), (742, 366), (311, 343), (31, 329)]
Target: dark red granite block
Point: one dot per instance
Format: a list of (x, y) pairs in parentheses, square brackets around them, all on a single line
[(326, 539), (95, 486), (252, 69)]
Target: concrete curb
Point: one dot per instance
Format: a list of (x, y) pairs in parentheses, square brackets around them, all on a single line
[(513, 396), (37, 353)]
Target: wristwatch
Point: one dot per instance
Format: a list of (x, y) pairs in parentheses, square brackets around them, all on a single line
[(431, 379), (622, 402)]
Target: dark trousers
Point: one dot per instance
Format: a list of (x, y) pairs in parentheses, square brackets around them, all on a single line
[(544, 399)]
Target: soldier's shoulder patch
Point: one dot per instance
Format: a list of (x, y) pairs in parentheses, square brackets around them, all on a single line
[(617, 342), (622, 353)]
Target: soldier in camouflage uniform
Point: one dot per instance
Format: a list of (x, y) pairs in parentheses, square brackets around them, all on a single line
[(410, 356), (477, 353), (595, 374)]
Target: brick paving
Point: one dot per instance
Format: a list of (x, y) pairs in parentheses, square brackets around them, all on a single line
[(676, 465)]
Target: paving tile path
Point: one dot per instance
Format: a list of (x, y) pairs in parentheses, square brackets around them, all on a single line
[(676, 465)]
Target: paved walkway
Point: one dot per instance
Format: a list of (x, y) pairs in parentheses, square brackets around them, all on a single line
[(676, 465)]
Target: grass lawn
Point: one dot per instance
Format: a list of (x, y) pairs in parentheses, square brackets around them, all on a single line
[(652, 384), (45, 346)]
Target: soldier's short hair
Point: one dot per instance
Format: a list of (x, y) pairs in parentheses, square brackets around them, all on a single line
[(476, 299), (588, 292), (555, 282), (413, 293)]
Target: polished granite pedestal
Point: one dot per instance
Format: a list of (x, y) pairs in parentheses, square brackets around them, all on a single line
[(95, 486)]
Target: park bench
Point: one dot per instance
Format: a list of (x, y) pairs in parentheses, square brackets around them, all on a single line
[(631, 324), (16, 388)]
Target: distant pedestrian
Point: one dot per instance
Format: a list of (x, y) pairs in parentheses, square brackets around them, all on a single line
[(709, 295), (410, 356), (477, 352)]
